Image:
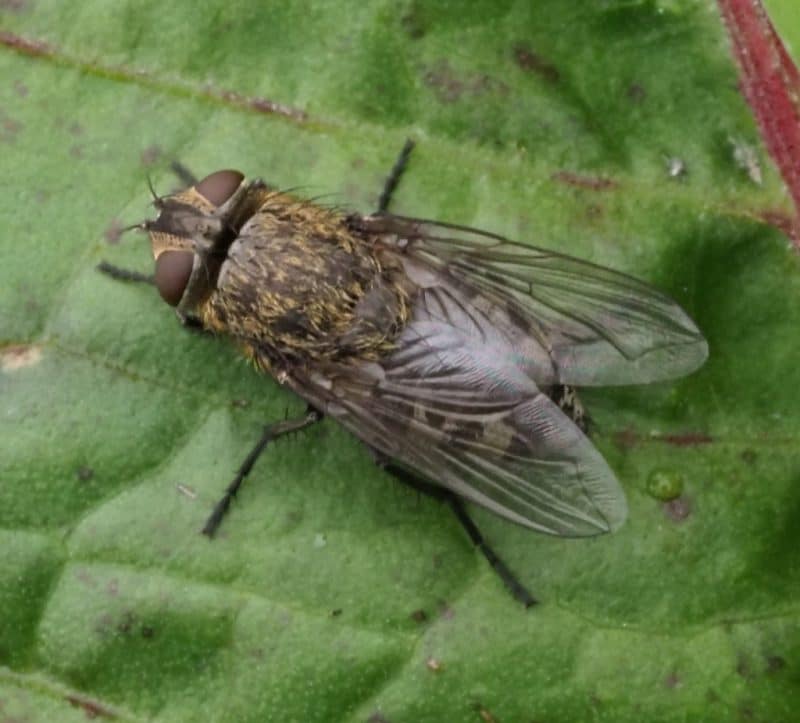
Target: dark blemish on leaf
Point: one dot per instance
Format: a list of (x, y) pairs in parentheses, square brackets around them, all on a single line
[(746, 711), (636, 93), (531, 62), (419, 616), (76, 129), (23, 45), (83, 576), (113, 233), (775, 663), (446, 611), (76, 151), (240, 403), (592, 183), (336, 612), (150, 155), (749, 456), (84, 473), (594, 212), (673, 681), (712, 696), (629, 438), (41, 196), (91, 708), (412, 23), (688, 439), (148, 632), (127, 622), (678, 509), (21, 89), (9, 128), (743, 668), (449, 87), (626, 439)]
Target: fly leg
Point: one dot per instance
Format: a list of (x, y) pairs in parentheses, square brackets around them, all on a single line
[(513, 585), (394, 176), (270, 433), (185, 176), (120, 274)]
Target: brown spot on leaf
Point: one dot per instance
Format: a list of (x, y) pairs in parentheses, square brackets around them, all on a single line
[(147, 632), (92, 708), (687, 439), (84, 473), (150, 155), (629, 438), (449, 87), (113, 232), (265, 105), (678, 509), (76, 129), (592, 183), (531, 62), (24, 45), (76, 151), (636, 93), (749, 456), (419, 616), (19, 356), (9, 128), (672, 681), (21, 89)]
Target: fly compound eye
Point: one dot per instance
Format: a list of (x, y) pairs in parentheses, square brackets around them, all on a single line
[(173, 269), (219, 186)]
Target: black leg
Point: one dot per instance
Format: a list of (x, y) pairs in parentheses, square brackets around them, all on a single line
[(514, 586), (115, 272), (185, 176), (273, 431), (394, 176)]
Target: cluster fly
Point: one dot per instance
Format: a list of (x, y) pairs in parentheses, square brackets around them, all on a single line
[(452, 353)]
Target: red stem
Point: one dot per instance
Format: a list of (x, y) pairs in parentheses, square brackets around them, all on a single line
[(771, 84)]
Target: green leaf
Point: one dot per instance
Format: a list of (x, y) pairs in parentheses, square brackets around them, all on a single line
[(332, 593)]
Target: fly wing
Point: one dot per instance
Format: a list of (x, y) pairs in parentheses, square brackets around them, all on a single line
[(458, 409), (574, 322)]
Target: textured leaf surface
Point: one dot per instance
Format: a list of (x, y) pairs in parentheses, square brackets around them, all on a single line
[(555, 123)]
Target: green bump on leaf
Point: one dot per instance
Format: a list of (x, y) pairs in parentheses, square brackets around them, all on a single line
[(665, 484), (558, 124)]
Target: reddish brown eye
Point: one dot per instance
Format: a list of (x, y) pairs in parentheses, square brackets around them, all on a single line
[(219, 186), (173, 269)]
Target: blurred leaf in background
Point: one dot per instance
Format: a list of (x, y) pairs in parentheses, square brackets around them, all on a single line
[(610, 130)]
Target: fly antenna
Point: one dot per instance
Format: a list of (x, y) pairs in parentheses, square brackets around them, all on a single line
[(158, 202)]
